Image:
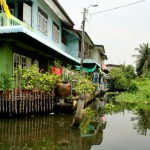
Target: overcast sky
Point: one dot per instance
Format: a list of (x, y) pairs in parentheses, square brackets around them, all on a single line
[(120, 30)]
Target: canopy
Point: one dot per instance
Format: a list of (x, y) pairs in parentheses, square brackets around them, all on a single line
[(90, 68)]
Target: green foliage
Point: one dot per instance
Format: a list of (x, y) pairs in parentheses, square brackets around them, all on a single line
[(32, 78), (132, 87), (5, 81), (140, 98), (129, 71), (67, 74), (88, 114), (146, 74), (119, 79), (57, 63), (142, 59), (109, 107), (83, 84)]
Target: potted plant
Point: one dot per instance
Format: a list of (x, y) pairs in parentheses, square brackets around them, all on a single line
[(31, 79), (5, 83), (84, 84), (18, 83), (57, 67), (48, 81), (63, 87), (26, 78)]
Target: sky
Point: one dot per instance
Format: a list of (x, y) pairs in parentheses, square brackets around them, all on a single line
[(120, 30)]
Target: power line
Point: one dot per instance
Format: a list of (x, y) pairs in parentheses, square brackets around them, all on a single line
[(117, 7)]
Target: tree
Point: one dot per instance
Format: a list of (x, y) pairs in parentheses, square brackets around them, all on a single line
[(142, 59), (118, 79), (129, 72)]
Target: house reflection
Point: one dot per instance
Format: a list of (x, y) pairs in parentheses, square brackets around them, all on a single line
[(50, 132)]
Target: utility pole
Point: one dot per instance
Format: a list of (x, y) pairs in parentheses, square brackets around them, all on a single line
[(83, 32), (82, 47), (80, 106)]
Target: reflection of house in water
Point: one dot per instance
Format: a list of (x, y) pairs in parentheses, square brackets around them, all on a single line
[(94, 135), (94, 131), (49, 132)]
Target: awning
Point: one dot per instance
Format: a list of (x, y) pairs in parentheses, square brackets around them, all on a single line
[(70, 31), (87, 69)]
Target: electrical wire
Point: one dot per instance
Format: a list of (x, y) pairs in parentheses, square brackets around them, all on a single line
[(117, 7)]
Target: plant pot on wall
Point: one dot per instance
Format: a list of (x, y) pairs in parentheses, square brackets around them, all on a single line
[(7, 93), (56, 70), (62, 89)]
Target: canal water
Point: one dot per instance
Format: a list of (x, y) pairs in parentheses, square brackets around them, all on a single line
[(125, 131), (117, 131)]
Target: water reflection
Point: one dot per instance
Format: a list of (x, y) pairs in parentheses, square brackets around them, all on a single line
[(93, 132), (143, 122), (55, 132), (51, 132)]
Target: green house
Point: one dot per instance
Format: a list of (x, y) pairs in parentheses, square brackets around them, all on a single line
[(38, 32)]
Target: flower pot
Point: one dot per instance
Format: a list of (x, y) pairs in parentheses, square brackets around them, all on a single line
[(7, 93), (62, 89), (56, 70), (26, 91)]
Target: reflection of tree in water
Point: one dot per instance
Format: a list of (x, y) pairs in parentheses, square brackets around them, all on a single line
[(143, 124), (92, 125)]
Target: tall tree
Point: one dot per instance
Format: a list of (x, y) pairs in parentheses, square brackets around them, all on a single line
[(142, 59)]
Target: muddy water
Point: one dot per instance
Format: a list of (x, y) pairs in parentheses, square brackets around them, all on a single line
[(51, 132), (126, 131), (119, 131)]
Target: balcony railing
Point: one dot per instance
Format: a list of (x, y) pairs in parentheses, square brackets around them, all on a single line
[(13, 21)]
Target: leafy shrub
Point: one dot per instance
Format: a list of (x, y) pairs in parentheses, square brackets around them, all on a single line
[(5, 81), (132, 87)]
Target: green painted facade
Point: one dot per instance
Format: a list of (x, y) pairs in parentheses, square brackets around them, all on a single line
[(6, 59)]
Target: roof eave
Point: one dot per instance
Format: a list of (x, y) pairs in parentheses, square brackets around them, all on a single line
[(61, 13)]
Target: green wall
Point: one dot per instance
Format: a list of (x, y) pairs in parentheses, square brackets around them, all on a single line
[(6, 59)]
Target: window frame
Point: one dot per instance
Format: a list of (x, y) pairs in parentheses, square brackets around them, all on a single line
[(18, 60), (42, 21), (23, 64), (55, 32)]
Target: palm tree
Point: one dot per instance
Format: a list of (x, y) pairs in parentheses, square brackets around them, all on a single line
[(142, 59)]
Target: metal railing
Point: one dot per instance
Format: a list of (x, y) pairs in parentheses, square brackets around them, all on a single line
[(13, 21)]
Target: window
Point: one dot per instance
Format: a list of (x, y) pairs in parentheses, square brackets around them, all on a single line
[(20, 60), (55, 32), (42, 21), (36, 62), (90, 53), (16, 61), (27, 13), (64, 41), (23, 61)]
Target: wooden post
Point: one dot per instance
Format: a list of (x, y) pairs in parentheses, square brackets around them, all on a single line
[(79, 111)]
